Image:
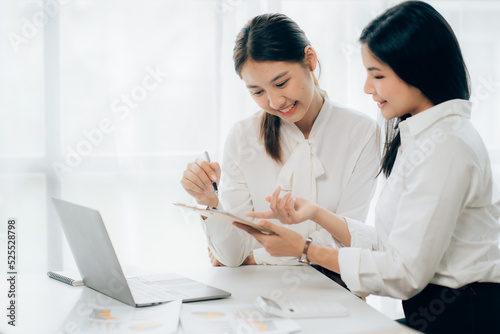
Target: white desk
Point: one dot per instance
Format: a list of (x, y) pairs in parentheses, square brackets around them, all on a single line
[(45, 305)]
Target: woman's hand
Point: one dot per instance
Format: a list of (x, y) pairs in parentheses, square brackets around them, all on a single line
[(284, 242), (250, 260), (197, 181), (213, 260), (289, 210)]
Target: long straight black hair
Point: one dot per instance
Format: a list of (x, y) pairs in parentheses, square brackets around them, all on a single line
[(270, 37), (419, 45)]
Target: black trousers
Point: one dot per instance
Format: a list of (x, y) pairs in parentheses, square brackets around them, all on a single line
[(474, 308)]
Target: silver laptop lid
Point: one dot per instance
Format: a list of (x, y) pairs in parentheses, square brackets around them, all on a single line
[(92, 249)]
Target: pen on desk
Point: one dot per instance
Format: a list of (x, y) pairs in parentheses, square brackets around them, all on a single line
[(214, 184)]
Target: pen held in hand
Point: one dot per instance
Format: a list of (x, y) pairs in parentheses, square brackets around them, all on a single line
[(214, 184)]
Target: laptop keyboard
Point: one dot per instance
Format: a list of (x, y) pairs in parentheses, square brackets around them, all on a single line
[(146, 292)]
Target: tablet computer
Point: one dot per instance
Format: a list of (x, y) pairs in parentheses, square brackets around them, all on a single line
[(222, 216)]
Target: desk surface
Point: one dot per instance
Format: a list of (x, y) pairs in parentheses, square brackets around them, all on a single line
[(45, 305)]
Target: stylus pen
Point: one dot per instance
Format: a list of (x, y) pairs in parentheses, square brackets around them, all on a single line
[(214, 184)]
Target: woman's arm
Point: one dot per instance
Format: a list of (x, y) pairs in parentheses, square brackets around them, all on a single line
[(334, 224), (229, 245)]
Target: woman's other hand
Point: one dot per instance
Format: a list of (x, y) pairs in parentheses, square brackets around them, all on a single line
[(250, 260), (288, 209), (213, 260)]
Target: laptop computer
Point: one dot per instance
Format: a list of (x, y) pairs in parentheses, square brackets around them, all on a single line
[(100, 270)]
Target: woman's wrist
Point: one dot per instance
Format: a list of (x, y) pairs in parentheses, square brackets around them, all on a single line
[(336, 225), (213, 203), (317, 210), (318, 214), (300, 248)]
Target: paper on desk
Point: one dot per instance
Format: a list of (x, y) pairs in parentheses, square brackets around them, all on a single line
[(116, 317), (232, 318)]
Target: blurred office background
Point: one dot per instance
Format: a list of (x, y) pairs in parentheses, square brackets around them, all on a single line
[(104, 102)]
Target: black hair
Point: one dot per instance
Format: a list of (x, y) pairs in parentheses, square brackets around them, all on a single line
[(419, 45), (270, 37)]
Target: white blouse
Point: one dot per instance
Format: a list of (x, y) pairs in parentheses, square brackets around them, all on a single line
[(336, 167), (437, 218)]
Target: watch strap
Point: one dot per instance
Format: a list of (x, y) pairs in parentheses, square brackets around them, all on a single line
[(303, 258)]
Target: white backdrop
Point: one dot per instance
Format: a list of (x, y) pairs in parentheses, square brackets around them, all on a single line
[(105, 102)]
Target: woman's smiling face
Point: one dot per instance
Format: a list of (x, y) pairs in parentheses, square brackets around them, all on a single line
[(283, 89), (394, 97)]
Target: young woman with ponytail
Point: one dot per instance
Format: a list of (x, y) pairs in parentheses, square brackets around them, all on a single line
[(299, 140)]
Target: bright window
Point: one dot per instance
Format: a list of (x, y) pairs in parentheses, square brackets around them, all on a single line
[(103, 103)]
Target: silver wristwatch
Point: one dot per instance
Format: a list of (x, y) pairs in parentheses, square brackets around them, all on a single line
[(303, 257)]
